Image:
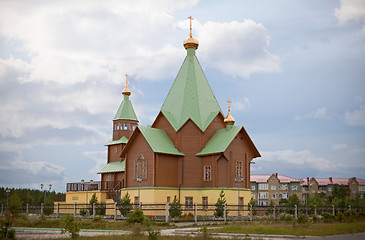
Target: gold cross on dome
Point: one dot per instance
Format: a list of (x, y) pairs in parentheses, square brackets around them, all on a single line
[(126, 80), (229, 105), (191, 18)]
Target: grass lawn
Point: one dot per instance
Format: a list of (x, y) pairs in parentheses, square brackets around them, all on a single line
[(306, 229)]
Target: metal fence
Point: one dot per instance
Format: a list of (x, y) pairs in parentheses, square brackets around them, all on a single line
[(184, 212)]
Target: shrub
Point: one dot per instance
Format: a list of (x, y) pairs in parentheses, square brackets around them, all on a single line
[(6, 232), (339, 216), (219, 210), (83, 212), (72, 226), (136, 216), (302, 218), (175, 208), (15, 203), (328, 217), (153, 235), (286, 217), (125, 205)]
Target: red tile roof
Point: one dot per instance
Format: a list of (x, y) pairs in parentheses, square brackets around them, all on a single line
[(330, 181), (265, 178)]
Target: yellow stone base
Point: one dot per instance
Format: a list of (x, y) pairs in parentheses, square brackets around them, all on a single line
[(159, 195)]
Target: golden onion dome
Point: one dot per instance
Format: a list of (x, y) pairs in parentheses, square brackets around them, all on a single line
[(126, 90), (229, 120), (191, 42)]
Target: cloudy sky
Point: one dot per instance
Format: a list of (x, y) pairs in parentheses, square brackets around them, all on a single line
[(294, 70)]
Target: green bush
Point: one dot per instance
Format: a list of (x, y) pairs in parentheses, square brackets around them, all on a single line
[(153, 235), (83, 212), (175, 208), (136, 216), (302, 218), (221, 202), (15, 203), (125, 205), (72, 226), (286, 217), (328, 217)]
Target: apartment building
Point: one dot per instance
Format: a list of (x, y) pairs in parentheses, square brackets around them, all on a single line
[(267, 188), (311, 186)]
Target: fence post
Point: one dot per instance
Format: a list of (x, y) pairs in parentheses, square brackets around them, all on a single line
[(41, 208), (27, 209), (315, 210), (93, 210), (274, 212), (225, 213), (251, 212), (167, 212), (333, 210), (115, 211), (58, 210), (350, 207), (195, 212), (296, 211), (75, 209)]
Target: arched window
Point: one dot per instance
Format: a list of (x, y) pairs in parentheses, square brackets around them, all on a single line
[(140, 168)]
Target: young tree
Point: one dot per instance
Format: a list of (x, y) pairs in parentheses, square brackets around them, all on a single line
[(15, 203), (99, 209), (219, 210), (175, 208), (125, 205)]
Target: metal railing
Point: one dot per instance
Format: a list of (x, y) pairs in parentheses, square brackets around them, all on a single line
[(95, 186)]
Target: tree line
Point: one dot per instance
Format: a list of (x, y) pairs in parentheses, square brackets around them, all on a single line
[(25, 196)]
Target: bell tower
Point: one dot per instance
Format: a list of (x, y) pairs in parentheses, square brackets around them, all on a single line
[(125, 120)]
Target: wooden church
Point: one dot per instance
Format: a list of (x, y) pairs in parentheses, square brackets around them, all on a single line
[(191, 151)]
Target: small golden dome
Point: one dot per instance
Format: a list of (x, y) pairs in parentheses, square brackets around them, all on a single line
[(191, 42), (229, 120), (126, 90)]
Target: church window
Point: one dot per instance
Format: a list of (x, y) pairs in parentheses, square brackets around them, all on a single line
[(132, 127), (141, 168), (125, 127), (238, 169), (207, 173), (189, 203)]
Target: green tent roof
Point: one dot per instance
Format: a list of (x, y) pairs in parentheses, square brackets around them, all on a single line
[(159, 141), (126, 111), (121, 140), (113, 167), (190, 96), (220, 140)]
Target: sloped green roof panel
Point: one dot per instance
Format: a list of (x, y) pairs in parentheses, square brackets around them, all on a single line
[(113, 167), (121, 140), (190, 96), (220, 140), (126, 111), (159, 141)]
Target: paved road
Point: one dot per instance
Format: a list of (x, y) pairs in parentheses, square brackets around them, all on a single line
[(44, 233)]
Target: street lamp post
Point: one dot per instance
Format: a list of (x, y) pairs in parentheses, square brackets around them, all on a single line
[(139, 180), (7, 197), (45, 193), (238, 181)]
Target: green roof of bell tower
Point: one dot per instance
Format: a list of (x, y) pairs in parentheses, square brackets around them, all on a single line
[(190, 96), (126, 111)]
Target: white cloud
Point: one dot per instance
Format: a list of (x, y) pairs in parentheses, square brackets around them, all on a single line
[(69, 41), (29, 172), (236, 48), (351, 149), (356, 118), (340, 146), (351, 10), (320, 113), (99, 158), (241, 105), (298, 159)]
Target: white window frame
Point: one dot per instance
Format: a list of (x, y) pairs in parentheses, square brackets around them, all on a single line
[(273, 187), (207, 173), (263, 186)]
